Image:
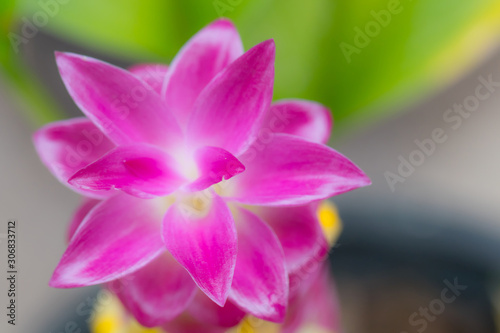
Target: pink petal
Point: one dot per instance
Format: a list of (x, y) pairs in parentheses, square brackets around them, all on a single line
[(67, 146), (187, 324), (153, 74), (204, 55), (214, 165), (228, 111), (141, 170), (124, 107), (205, 244), (82, 211), (292, 171), (260, 283), (117, 237), (158, 292), (309, 120), (315, 305), (299, 232), (206, 311)]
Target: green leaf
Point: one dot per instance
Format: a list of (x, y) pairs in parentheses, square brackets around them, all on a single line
[(421, 47), (23, 85), (129, 29), (425, 45)]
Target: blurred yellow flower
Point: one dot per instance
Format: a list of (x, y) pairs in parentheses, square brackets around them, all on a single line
[(113, 318), (330, 221)]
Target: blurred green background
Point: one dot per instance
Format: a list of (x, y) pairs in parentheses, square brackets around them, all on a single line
[(364, 59)]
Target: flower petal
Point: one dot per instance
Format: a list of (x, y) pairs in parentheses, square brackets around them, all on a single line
[(299, 232), (153, 74), (260, 283), (141, 170), (206, 311), (158, 292), (67, 146), (124, 107), (204, 55), (237, 98), (309, 120), (117, 237), (214, 165), (315, 305), (292, 171), (82, 211), (204, 243)]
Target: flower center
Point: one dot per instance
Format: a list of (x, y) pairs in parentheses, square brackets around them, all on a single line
[(186, 165)]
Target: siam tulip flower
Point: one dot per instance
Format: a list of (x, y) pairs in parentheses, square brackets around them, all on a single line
[(313, 306), (198, 189)]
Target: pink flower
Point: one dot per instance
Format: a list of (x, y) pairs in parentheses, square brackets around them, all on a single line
[(195, 180)]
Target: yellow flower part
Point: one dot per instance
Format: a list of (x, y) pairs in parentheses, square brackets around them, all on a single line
[(330, 221), (113, 318), (255, 325)]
